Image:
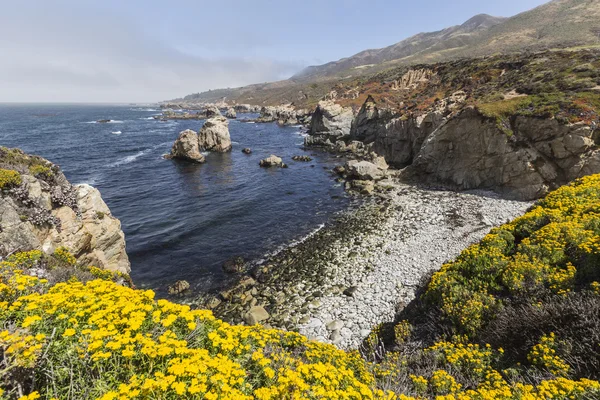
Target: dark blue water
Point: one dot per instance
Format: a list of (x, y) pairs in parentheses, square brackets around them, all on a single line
[(181, 220)]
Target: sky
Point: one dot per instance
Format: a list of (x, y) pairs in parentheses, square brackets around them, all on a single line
[(147, 51)]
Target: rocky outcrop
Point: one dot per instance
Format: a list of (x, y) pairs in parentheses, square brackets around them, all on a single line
[(214, 135), (397, 138), (211, 111), (247, 108), (231, 113), (46, 212), (471, 151), (283, 115), (186, 147), (272, 161), (330, 123)]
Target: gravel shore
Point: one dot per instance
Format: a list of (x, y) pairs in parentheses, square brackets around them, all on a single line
[(425, 229), (364, 266)]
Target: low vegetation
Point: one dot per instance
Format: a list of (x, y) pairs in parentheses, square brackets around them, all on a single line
[(515, 316), (9, 178)]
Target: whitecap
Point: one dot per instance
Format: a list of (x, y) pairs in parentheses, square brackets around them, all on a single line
[(116, 133), (143, 109), (235, 142), (112, 121), (131, 158)]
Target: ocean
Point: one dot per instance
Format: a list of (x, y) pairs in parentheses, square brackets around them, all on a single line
[(183, 220)]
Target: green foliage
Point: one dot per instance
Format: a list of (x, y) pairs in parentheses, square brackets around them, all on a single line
[(41, 171)]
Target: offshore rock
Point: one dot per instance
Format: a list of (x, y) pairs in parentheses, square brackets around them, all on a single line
[(214, 135), (186, 147), (272, 161), (231, 114)]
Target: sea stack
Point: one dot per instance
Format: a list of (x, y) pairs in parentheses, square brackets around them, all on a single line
[(186, 147), (214, 135)]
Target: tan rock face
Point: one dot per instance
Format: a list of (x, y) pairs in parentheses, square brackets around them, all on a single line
[(91, 234), (214, 135), (186, 147)]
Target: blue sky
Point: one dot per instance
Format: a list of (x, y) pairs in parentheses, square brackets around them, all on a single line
[(123, 51)]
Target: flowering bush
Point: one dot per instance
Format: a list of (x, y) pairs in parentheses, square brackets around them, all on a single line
[(102, 340), (9, 178), (93, 338), (550, 250)]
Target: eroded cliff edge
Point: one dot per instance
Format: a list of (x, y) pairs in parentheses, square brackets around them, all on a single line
[(40, 209)]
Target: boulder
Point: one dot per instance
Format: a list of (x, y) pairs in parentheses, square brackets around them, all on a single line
[(272, 161), (231, 113), (255, 315), (247, 150), (186, 147), (364, 170), (214, 135)]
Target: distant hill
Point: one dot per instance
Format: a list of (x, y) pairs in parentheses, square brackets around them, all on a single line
[(453, 37), (558, 24)]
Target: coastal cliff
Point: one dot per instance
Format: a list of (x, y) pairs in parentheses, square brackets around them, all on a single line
[(41, 210), (518, 125)]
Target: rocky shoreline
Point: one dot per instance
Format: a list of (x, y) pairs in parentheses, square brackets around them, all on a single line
[(365, 265)]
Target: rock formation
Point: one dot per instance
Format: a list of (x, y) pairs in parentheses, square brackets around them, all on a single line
[(45, 212), (231, 113), (214, 135), (472, 151), (246, 108), (330, 122), (457, 146), (186, 147), (211, 111), (283, 115)]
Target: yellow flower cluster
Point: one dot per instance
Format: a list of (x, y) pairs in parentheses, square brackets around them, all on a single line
[(540, 252), (544, 355), (8, 178), (129, 345), (65, 256)]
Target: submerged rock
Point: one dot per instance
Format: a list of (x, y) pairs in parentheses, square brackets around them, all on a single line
[(179, 287), (302, 158), (234, 265), (186, 147), (272, 161), (214, 135)]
